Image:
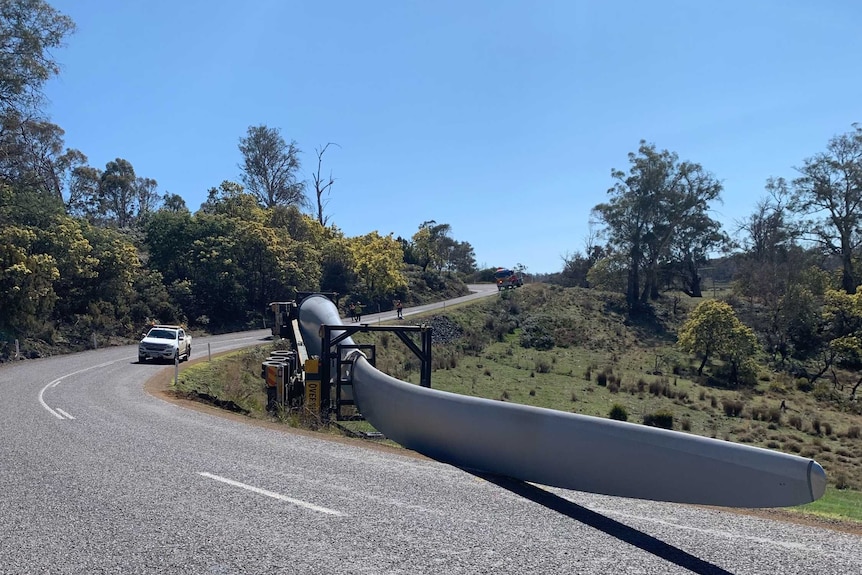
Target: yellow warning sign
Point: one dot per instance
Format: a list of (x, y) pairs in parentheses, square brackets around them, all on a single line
[(312, 395)]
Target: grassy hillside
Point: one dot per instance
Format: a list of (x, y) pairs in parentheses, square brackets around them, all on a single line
[(575, 350)]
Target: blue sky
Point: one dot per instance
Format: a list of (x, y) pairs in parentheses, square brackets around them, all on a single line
[(501, 118)]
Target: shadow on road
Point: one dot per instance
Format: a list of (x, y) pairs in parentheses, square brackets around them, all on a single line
[(607, 525)]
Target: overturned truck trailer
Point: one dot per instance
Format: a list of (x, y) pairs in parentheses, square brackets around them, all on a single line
[(567, 450)]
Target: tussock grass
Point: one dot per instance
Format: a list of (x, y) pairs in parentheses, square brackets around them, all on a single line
[(600, 359)]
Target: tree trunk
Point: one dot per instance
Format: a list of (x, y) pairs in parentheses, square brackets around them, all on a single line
[(848, 282), (633, 286), (702, 364)]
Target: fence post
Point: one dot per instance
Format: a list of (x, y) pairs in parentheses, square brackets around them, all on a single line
[(209, 353), (17, 350)]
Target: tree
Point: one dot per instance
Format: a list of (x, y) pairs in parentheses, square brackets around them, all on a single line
[(147, 198), (32, 155), (690, 249), (660, 198), (231, 200), (113, 197), (26, 280), (842, 330), (270, 166), (830, 191), (337, 267), (773, 271), (117, 192), (29, 29), (713, 329), (430, 244), (322, 185), (608, 273), (462, 258), (377, 260), (174, 203)]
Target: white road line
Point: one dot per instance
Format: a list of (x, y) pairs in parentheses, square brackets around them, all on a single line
[(273, 494), (57, 381), (60, 414)]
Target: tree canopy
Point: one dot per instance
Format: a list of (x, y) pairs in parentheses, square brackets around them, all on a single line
[(713, 330), (270, 167), (658, 200)]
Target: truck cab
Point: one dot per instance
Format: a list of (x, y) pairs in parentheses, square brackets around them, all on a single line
[(507, 279)]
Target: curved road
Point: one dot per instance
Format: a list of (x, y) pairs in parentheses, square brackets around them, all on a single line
[(97, 476)]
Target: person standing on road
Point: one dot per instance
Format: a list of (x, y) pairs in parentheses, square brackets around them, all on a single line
[(399, 308), (352, 309), (358, 310)]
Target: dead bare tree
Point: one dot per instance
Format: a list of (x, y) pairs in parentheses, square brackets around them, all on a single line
[(322, 185)]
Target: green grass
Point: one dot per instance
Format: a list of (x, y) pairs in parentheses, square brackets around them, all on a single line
[(642, 372), (841, 504)]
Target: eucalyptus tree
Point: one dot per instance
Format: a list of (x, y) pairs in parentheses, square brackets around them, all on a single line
[(829, 193), (658, 199), (322, 185), (115, 196), (270, 167), (30, 30)]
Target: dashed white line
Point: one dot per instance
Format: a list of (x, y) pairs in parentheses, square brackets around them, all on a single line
[(59, 413), (273, 494)]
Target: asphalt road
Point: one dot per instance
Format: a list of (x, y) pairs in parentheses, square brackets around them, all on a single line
[(98, 476)]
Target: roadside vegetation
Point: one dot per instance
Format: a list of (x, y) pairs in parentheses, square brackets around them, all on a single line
[(577, 350)]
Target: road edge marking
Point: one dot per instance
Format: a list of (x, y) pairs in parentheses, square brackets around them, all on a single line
[(273, 494)]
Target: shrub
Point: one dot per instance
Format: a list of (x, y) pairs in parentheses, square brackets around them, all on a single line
[(537, 332), (685, 424), (804, 385), (774, 415), (533, 392), (588, 375), (765, 413), (793, 446), (841, 481), (614, 385), (663, 419), (542, 365), (619, 413), (732, 407), (853, 432), (795, 421)]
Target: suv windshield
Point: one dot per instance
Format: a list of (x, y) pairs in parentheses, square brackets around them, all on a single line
[(162, 334)]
